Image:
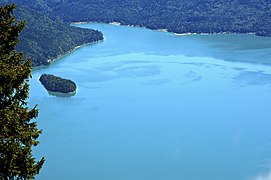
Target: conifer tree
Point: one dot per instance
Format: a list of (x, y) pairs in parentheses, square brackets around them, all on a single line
[(18, 132)]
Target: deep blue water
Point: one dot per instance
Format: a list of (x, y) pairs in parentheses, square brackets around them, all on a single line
[(155, 106)]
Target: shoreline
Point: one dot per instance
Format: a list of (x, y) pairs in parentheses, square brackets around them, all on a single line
[(83, 22), (61, 94), (184, 34), (51, 61), (116, 23), (189, 33)]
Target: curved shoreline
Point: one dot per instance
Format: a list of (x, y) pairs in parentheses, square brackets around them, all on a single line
[(116, 23), (251, 34), (51, 61)]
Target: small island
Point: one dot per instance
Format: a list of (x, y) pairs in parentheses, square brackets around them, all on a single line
[(54, 84)]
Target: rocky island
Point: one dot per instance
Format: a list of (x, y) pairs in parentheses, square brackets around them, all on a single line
[(55, 84)]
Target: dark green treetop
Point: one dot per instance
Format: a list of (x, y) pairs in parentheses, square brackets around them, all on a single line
[(18, 133), (57, 84)]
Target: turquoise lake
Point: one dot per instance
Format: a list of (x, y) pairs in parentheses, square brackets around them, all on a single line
[(152, 105)]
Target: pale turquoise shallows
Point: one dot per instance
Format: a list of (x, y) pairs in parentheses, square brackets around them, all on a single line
[(155, 106)]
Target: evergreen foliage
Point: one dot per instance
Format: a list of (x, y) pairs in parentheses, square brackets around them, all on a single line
[(57, 84), (18, 133), (45, 39), (180, 16)]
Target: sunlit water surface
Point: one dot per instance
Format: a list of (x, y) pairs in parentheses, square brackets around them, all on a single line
[(155, 106)]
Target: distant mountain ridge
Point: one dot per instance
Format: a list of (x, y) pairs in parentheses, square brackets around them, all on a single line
[(180, 16)]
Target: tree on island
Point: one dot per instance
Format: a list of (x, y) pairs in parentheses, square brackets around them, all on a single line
[(57, 84), (18, 133)]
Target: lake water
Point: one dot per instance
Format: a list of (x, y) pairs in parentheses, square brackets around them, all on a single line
[(155, 106)]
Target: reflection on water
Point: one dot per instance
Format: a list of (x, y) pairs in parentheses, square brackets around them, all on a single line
[(59, 94), (246, 78)]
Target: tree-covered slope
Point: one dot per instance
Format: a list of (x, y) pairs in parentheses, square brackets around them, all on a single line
[(181, 16), (45, 39)]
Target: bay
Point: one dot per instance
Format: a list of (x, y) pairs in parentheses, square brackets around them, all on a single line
[(153, 105)]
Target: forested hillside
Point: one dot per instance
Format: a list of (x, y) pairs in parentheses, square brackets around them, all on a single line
[(45, 39), (180, 16)]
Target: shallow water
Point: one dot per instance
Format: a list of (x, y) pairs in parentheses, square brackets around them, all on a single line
[(153, 105)]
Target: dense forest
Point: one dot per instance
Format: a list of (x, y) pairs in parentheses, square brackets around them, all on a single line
[(180, 16), (45, 39), (49, 35), (57, 84)]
